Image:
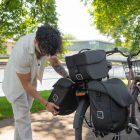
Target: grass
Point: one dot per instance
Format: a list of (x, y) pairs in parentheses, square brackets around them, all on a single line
[(6, 109), (125, 81), (3, 60)]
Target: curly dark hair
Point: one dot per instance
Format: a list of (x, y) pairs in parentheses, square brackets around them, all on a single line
[(49, 40)]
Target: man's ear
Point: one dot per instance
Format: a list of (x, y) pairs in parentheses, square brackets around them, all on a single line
[(36, 45)]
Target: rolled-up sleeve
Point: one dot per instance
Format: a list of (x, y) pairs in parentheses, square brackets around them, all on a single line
[(22, 61)]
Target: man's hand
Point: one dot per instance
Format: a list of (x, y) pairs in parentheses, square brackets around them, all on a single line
[(51, 107)]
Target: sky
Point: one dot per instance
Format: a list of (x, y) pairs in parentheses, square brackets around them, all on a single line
[(74, 19)]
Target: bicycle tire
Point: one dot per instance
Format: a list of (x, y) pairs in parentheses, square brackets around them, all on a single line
[(79, 118), (136, 110)]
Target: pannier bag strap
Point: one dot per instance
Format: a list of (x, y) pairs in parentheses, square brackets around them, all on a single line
[(79, 75), (84, 50)]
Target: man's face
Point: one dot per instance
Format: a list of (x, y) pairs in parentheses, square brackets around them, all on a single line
[(40, 51)]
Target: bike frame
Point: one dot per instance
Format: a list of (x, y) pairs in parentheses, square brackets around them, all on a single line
[(133, 85)]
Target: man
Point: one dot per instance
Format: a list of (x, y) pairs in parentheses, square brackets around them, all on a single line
[(25, 65)]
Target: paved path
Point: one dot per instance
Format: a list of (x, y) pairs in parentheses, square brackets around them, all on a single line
[(47, 127), (44, 126)]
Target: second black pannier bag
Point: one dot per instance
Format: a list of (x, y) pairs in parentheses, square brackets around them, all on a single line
[(63, 95), (87, 65), (109, 102)]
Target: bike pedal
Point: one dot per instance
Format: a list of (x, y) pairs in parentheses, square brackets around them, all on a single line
[(133, 126)]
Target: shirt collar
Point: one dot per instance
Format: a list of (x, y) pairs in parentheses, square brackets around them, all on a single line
[(31, 45)]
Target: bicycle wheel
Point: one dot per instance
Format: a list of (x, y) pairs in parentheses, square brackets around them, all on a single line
[(136, 111)]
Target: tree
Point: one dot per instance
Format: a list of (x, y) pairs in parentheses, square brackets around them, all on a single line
[(19, 17), (69, 37), (119, 19)]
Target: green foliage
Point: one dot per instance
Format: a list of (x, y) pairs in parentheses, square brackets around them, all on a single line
[(65, 44), (2, 46), (69, 37), (19, 17), (119, 19), (36, 105), (6, 109)]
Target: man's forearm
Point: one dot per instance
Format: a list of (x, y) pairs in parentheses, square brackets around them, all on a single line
[(56, 64), (60, 70), (30, 90)]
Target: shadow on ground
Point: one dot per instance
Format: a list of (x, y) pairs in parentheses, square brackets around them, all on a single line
[(47, 127), (56, 128)]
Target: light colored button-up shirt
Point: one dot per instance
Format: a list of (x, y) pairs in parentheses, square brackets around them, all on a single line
[(22, 60)]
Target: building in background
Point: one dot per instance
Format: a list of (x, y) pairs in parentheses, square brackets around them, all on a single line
[(89, 44), (76, 45)]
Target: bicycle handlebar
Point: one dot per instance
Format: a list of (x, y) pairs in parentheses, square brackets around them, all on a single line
[(116, 50)]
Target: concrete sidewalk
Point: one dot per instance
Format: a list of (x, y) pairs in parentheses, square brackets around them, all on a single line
[(47, 127), (44, 126)]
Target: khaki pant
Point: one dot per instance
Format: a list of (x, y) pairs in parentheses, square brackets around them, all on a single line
[(21, 110)]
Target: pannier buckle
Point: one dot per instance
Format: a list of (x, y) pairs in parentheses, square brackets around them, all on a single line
[(100, 115), (55, 97), (79, 77)]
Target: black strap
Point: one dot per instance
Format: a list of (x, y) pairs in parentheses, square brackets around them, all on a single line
[(84, 50), (77, 70)]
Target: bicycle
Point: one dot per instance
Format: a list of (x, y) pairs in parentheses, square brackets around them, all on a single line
[(83, 117)]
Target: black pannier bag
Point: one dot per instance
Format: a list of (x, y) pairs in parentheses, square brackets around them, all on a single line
[(63, 95), (87, 65), (109, 102)]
